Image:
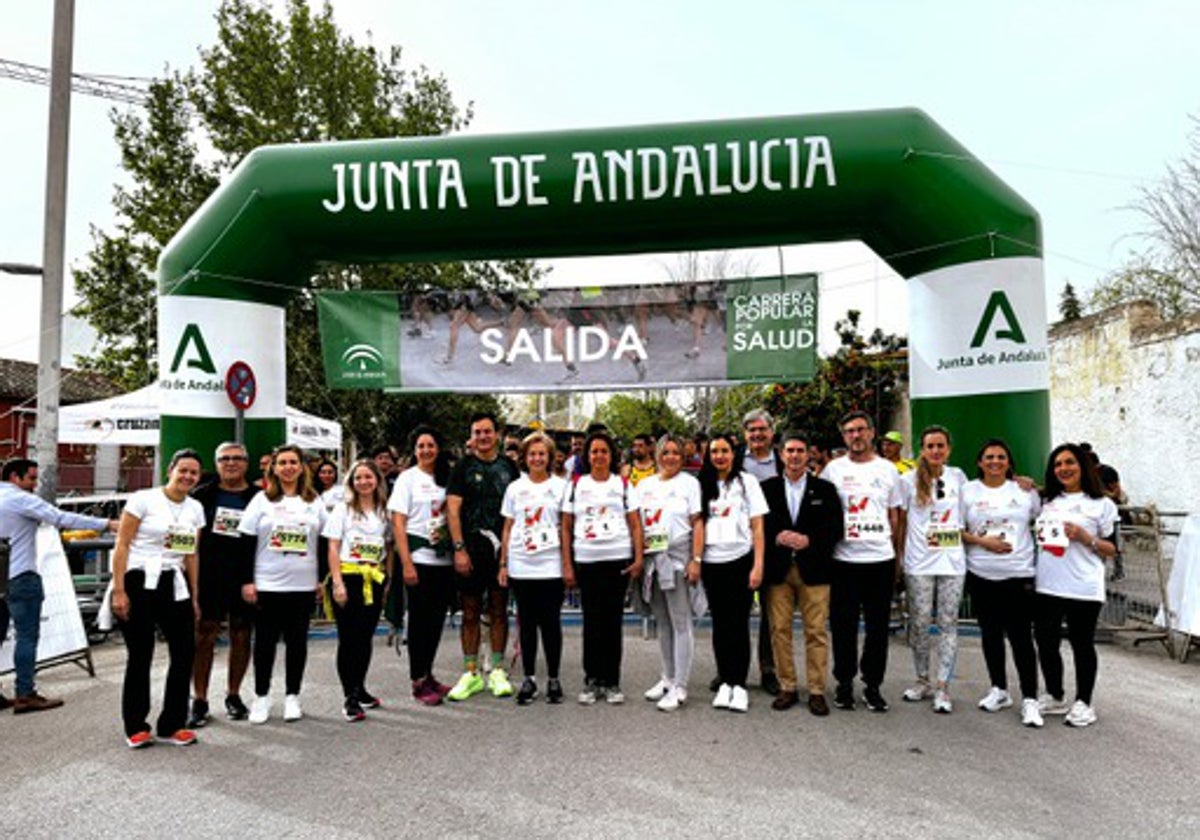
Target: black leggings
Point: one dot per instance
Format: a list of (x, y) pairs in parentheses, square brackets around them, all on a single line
[(177, 621), (428, 600), (283, 614), (727, 587), (1081, 619), (356, 623), (1005, 608), (602, 598), (539, 608)]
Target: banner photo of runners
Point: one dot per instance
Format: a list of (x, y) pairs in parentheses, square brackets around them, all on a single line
[(593, 338)]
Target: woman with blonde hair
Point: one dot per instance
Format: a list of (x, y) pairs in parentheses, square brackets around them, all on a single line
[(360, 563)]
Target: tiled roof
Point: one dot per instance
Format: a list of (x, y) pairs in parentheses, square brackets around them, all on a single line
[(18, 382)]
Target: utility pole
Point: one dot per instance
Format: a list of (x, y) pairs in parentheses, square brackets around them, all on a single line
[(53, 238)]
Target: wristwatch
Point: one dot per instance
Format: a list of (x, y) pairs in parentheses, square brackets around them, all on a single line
[(459, 545)]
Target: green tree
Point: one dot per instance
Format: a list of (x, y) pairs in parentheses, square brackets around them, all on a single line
[(1069, 307), (627, 416), (289, 78)]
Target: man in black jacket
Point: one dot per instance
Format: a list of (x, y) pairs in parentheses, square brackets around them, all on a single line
[(802, 526)]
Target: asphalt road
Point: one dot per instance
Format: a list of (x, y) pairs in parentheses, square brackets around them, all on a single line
[(487, 768)]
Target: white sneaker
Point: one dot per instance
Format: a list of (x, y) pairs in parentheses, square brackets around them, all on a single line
[(614, 696), (680, 694), (1031, 715), (919, 691), (669, 702), (658, 691), (1081, 714), (995, 700), (1048, 705), (291, 708), (739, 700), (260, 709), (587, 697), (724, 696), (941, 702)]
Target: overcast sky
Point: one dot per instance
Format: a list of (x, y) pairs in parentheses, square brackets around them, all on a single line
[(1074, 104)]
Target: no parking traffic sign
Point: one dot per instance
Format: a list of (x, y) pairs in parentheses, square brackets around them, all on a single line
[(240, 386)]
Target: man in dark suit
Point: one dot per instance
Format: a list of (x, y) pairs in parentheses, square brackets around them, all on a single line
[(802, 526)]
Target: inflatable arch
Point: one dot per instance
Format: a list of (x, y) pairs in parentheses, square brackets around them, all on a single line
[(969, 246)]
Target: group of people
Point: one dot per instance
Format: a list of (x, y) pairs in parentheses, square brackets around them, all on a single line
[(756, 520)]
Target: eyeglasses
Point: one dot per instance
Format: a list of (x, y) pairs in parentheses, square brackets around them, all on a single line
[(231, 459)]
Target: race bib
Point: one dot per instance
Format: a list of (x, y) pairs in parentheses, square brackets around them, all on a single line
[(179, 540), (540, 536), (943, 536), (1051, 534), (1002, 530), (437, 528), (292, 539), (721, 528), (366, 550), (601, 524), (866, 526), (226, 521), (657, 534)]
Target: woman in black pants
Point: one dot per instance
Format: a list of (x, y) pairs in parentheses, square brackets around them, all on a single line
[(997, 514), (286, 521), (602, 544), (531, 562), (154, 576), (1076, 533), (418, 509), (732, 507), (360, 563)]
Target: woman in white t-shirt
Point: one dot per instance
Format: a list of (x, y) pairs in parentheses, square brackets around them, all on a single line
[(1076, 534), (286, 521), (360, 564), (418, 509), (933, 562), (531, 562), (154, 574), (997, 515), (602, 545), (673, 534), (732, 507)]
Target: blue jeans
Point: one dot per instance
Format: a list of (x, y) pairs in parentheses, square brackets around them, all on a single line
[(25, 596)]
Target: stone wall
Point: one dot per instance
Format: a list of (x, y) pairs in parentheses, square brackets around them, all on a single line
[(1129, 383)]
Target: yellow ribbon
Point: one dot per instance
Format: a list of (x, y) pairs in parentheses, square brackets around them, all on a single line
[(369, 572)]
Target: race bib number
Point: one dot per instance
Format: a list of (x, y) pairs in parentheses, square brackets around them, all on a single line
[(292, 539), (226, 521), (366, 550), (540, 536), (866, 526), (942, 536), (179, 540), (1052, 534), (601, 524)]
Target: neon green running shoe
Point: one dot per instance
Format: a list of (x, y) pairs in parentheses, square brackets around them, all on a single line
[(498, 683), (469, 684)]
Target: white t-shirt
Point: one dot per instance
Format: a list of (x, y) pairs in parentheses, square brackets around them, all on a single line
[(534, 548), (1067, 568), (167, 532), (363, 537), (727, 533), (332, 496), (423, 501), (285, 557), (933, 540), (601, 530), (1006, 511), (868, 491), (668, 506)]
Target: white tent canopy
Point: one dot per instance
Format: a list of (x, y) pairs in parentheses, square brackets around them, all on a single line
[(132, 420)]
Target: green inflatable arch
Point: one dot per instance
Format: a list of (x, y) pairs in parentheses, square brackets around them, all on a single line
[(969, 245)]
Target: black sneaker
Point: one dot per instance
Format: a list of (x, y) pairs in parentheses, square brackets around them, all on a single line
[(199, 716), (874, 699), (843, 698), (366, 698), (554, 691), (235, 709), (528, 691), (353, 710)]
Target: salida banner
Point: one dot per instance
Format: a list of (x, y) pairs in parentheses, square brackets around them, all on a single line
[(610, 338)]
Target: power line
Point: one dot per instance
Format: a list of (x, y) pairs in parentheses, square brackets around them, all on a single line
[(80, 82)]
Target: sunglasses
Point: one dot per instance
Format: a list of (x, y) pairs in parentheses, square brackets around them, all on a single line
[(940, 486)]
